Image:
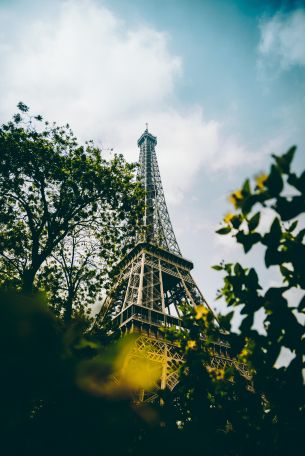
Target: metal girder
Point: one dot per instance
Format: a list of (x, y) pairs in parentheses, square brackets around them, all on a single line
[(153, 283)]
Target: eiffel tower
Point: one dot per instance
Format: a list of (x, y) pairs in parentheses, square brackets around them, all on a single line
[(153, 280)]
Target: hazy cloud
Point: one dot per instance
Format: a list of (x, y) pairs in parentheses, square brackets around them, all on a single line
[(282, 41), (83, 65)]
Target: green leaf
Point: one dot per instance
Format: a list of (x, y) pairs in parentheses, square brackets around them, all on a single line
[(301, 183), (254, 221), (275, 234), (22, 107), (301, 307), (286, 273), (293, 226), (238, 270), (224, 230), (17, 118), (85, 343), (300, 235), (290, 208), (236, 221), (284, 161), (225, 320), (246, 189), (228, 267), (217, 267), (253, 279), (274, 183), (248, 240), (251, 200)]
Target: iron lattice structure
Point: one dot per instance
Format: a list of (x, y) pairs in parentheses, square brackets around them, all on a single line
[(153, 280), (158, 227)]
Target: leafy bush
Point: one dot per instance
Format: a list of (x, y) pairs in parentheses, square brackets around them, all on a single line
[(266, 414)]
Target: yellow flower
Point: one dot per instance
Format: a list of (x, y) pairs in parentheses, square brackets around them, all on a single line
[(228, 217), (200, 311), (235, 197), (260, 181), (120, 372), (244, 354), (220, 374), (191, 344), (216, 373)]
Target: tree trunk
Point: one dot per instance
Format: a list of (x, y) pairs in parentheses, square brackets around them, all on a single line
[(28, 281), (68, 307)]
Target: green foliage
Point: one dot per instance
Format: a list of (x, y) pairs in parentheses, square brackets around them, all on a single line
[(53, 387), (282, 191), (65, 211), (64, 215)]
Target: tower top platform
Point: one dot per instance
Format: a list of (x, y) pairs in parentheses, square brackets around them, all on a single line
[(147, 135)]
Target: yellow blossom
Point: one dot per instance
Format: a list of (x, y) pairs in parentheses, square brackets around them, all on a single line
[(260, 181), (217, 373), (220, 374), (244, 354), (228, 217), (235, 197), (119, 373), (191, 344), (200, 311)]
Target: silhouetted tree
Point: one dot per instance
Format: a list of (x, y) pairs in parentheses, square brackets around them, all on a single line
[(52, 192)]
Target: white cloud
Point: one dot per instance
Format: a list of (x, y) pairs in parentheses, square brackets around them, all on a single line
[(83, 65), (282, 43), (86, 65)]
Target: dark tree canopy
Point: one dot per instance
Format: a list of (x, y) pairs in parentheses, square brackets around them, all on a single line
[(52, 191)]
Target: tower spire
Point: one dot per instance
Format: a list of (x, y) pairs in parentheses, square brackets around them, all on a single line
[(157, 225)]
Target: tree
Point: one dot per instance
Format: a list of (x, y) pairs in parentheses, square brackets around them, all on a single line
[(77, 273), (53, 189), (283, 192), (266, 414)]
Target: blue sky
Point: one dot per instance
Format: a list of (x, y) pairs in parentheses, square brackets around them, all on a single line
[(220, 82)]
